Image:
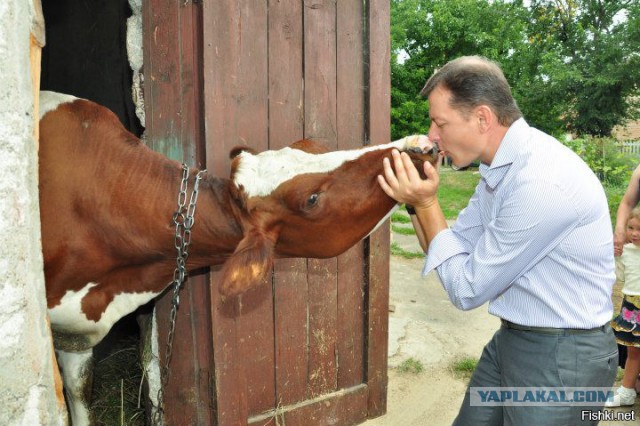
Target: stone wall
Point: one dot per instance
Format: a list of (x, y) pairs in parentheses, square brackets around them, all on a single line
[(28, 392)]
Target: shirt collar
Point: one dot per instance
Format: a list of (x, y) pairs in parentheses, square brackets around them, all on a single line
[(505, 155)]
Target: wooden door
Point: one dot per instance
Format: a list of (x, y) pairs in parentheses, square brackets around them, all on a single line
[(174, 126), (310, 345)]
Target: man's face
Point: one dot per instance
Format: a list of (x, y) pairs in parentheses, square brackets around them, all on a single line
[(456, 134)]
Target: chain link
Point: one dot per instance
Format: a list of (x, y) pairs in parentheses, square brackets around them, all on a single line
[(183, 218)]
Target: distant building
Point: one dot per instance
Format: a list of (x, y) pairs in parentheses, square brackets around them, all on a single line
[(631, 131)]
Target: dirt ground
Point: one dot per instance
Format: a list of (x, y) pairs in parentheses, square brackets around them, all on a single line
[(423, 326)]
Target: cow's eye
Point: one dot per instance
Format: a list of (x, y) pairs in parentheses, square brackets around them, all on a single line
[(312, 200)]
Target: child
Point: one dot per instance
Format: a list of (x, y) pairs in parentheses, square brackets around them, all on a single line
[(626, 325)]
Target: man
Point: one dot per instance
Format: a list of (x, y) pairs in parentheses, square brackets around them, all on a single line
[(535, 242)]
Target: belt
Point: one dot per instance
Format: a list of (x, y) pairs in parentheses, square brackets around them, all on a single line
[(549, 330)]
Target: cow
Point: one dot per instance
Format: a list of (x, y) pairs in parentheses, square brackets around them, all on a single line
[(108, 236)]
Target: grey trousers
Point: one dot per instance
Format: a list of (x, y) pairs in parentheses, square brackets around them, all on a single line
[(515, 358)]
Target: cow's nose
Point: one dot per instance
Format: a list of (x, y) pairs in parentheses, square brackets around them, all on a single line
[(420, 144)]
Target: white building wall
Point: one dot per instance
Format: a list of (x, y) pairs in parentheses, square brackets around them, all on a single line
[(27, 388)]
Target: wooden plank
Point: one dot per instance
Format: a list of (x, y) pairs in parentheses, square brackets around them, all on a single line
[(286, 124), (230, 380), (220, 57), (173, 116), (255, 322), (291, 330), (256, 346), (191, 85), (320, 124), (320, 71), (350, 105), (322, 326), (235, 73), (286, 85), (202, 361), (161, 86), (379, 129), (187, 399), (236, 104), (343, 407)]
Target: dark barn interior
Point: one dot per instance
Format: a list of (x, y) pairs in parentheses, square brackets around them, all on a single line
[(86, 55)]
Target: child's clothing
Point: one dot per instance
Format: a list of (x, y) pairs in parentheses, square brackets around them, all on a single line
[(622, 397), (626, 325)]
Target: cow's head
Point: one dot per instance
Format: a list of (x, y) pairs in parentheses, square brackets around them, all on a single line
[(302, 201)]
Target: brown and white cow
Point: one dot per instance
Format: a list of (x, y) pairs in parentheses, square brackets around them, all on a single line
[(107, 201)]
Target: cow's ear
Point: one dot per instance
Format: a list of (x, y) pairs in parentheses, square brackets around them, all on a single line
[(250, 262)]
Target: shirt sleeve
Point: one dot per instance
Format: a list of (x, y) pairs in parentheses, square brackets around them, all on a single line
[(530, 222)]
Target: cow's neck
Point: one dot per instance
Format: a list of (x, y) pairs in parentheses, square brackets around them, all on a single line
[(147, 237), (216, 231)]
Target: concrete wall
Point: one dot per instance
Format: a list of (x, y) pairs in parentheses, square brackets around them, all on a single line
[(28, 393)]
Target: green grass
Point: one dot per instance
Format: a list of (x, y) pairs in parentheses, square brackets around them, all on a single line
[(614, 196), (396, 250), (464, 367), (455, 190), (398, 217), (412, 366), (403, 230)]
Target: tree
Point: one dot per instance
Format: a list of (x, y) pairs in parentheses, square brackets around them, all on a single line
[(425, 34), (572, 64), (595, 52)]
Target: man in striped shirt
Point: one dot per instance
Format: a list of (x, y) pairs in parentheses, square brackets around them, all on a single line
[(535, 242)]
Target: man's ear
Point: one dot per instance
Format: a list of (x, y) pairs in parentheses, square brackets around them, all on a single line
[(485, 117), (250, 262)]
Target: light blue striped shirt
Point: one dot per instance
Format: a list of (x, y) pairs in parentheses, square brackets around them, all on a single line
[(535, 240)]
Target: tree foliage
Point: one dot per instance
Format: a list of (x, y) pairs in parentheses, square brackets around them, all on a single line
[(573, 64)]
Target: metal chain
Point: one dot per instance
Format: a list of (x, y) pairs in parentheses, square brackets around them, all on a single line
[(183, 218)]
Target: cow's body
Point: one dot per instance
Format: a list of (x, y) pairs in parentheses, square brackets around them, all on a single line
[(107, 203)]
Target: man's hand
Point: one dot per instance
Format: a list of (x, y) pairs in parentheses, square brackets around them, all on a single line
[(405, 185)]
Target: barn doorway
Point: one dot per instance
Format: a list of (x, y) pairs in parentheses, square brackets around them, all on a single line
[(86, 56)]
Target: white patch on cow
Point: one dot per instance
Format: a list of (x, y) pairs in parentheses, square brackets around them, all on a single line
[(68, 316), (51, 100), (262, 173), (76, 375)]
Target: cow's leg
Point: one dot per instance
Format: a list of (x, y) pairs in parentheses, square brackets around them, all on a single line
[(77, 375)]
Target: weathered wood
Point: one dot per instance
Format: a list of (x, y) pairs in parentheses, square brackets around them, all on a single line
[(320, 124), (379, 130), (343, 407), (250, 112), (310, 345), (173, 116), (236, 95), (286, 124), (350, 105)]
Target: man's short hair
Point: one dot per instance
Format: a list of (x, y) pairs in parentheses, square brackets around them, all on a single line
[(474, 81)]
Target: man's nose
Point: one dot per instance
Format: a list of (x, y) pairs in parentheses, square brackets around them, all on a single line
[(433, 135)]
